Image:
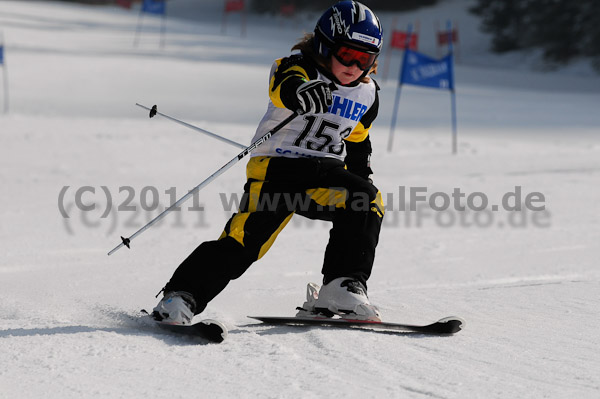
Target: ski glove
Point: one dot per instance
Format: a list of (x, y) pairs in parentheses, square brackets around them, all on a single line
[(314, 97)]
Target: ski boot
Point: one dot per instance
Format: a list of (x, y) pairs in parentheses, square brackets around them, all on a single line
[(176, 307), (344, 296)]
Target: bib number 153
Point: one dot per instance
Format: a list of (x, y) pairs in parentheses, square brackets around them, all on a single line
[(322, 138)]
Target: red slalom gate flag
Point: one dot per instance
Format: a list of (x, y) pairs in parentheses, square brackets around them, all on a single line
[(125, 3), (287, 10), (443, 37), (399, 40), (234, 5)]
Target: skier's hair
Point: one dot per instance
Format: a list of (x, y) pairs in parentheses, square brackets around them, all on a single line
[(306, 46)]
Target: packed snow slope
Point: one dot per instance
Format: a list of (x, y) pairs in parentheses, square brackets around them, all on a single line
[(526, 282)]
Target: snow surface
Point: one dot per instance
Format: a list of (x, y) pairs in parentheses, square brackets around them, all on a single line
[(527, 283)]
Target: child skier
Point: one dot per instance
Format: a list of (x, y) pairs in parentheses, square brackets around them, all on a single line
[(302, 170)]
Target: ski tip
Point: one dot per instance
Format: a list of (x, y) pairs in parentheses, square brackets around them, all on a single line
[(452, 324), (215, 330)]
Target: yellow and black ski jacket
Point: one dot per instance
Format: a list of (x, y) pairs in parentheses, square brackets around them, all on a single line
[(344, 127)]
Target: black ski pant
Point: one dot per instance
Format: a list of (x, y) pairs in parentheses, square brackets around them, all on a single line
[(278, 188)]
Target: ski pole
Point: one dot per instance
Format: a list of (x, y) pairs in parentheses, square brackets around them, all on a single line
[(154, 111), (126, 241)]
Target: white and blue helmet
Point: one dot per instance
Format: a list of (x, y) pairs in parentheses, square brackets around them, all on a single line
[(348, 23)]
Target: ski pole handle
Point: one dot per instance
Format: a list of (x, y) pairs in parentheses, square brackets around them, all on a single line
[(154, 111)]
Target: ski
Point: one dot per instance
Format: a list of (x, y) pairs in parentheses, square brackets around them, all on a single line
[(208, 329), (445, 326)]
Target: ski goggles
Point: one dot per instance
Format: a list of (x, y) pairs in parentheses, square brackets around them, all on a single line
[(348, 56)]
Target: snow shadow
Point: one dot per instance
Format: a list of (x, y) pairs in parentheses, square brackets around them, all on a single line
[(153, 331)]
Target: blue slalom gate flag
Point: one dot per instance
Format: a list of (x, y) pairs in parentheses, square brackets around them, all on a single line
[(157, 7), (1, 54), (421, 70)]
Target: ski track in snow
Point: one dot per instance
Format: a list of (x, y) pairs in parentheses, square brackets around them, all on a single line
[(69, 325)]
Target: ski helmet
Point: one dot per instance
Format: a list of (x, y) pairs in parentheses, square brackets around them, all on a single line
[(347, 29)]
